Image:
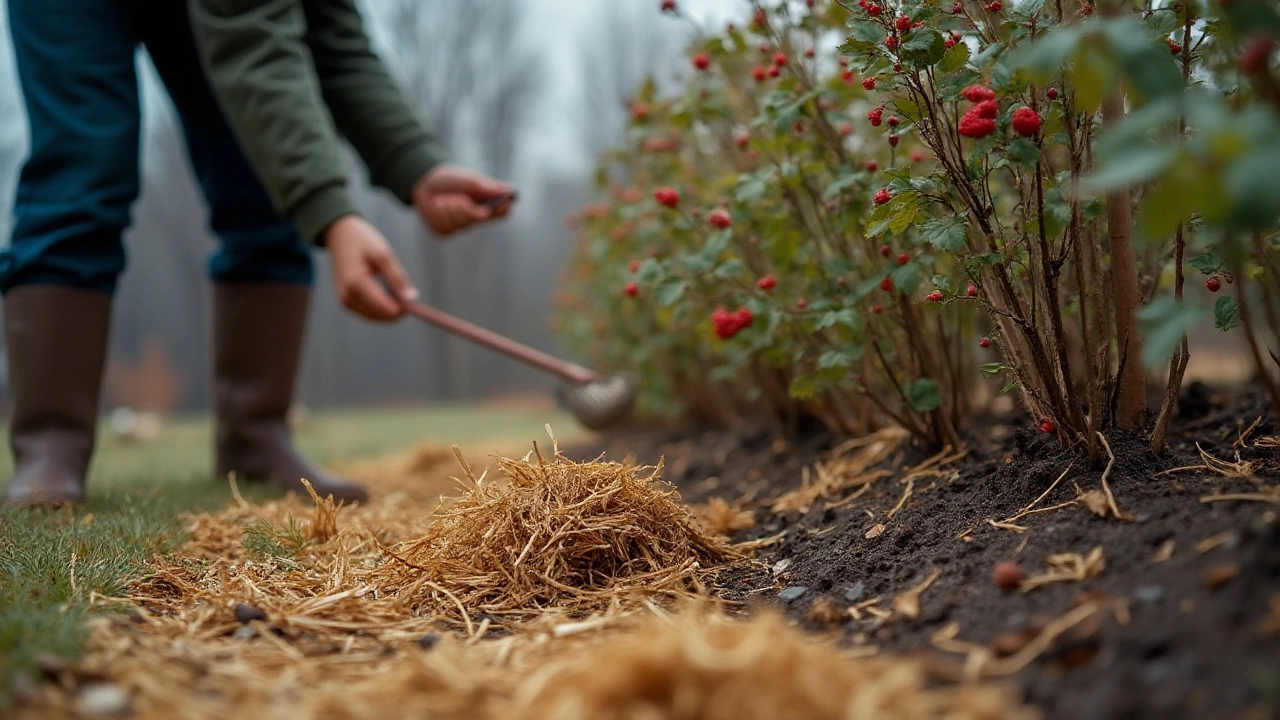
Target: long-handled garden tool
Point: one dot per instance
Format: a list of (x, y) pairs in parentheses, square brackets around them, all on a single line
[(597, 401)]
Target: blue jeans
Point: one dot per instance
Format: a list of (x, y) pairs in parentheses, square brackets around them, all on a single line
[(75, 61)]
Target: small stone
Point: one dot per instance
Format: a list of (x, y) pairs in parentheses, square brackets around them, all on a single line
[(1148, 594), (248, 613), (855, 591), (245, 632), (1221, 574), (781, 565), (792, 593), (102, 699), (428, 641)]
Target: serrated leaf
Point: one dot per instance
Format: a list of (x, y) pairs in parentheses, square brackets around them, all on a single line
[(1024, 152), (670, 291), (867, 32), (925, 46), (956, 58), (946, 234), (1226, 313), (902, 219), (942, 282), (924, 395), (907, 277), (1208, 263)]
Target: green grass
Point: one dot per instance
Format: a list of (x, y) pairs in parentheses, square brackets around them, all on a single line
[(51, 563)]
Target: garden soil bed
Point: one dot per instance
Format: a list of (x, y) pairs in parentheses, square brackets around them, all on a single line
[(1191, 588)]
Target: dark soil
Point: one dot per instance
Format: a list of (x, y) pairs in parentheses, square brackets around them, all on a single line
[(1193, 643)]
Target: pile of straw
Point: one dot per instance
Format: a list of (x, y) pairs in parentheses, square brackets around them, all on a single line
[(553, 533), (705, 666)]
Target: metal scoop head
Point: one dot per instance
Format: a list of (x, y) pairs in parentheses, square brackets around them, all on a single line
[(600, 403)]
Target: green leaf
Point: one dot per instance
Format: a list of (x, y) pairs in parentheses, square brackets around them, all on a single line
[(924, 395), (924, 46), (1131, 168), (956, 58), (1046, 57), (1024, 152), (903, 218), (1164, 323), (1226, 313), (867, 32), (837, 359), (942, 282), (670, 291), (803, 387), (1208, 263), (946, 234), (907, 277)]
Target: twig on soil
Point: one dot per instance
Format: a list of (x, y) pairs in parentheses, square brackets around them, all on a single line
[(1273, 498), (906, 495), (757, 544), (1068, 567), (980, 661), (1215, 541), (1008, 523), (1004, 525), (1111, 499), (1164, 552), (1238, 469), (1242, 437)]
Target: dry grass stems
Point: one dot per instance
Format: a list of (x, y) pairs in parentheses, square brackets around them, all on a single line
[(719, 517), (1067, 567), (555, 534), (850, 465)]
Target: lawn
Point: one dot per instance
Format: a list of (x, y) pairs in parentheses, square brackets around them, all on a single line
[(52, 563)]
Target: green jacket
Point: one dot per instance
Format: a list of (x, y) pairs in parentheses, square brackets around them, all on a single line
[(291, 75)]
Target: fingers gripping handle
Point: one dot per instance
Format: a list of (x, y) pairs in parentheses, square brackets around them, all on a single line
[(563, 369)]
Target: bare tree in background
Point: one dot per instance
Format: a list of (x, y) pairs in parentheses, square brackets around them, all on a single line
[(475, 80), (634, 42)]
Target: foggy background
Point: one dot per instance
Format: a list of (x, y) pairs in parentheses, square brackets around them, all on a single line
[(525, 90)]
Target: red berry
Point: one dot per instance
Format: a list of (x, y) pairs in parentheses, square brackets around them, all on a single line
[(893, 140), (994, 6), (874, 10), (719, 219), (1048, 426), (885, 251), (972, 291), (956, 35), (1026, 122), (876, 309), (903, 23), (633, 266), (768, 282), (725, 323), (759, 73), (957, 8), (1008, 575), (935, 296), (869, 83), (988, 109), (904, 258), (1051, 93), (949, 43), (780, 59), (847, 77), (808, 52), (844, 62), (1257, 52), (883, 196), (702, 61), (975, 126), (917, 156), (639, 112), (875, 115), (984, 343), (891, 42), (893, 121), (977, 93), (668, 5), (886, 284), (744, 317), (774, 71), (1174, 47), (759, 17), (897, 67), (667, 197), (1087, 10), (798, 128), (1229, 278), (872, 165), (743, 140), (1213, 283), (802, 303), (631, 288)]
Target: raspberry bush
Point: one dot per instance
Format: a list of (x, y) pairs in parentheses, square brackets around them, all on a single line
[(849, 214)]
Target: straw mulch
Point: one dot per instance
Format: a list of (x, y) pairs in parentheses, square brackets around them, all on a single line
[(300, 609), (555, 533)]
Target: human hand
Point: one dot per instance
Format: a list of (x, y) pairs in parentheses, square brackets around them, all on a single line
[(452, 198), (361, 256)]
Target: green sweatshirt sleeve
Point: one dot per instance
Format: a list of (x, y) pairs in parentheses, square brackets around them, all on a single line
[(368, 106), (289, 75)]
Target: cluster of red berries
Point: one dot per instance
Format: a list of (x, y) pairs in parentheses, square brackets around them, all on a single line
[(979, 121), (876, 115), (994, 6), (760, 72), (1026, 122), (727, 324), (667, 197), (719, 219), (871, 8), (767, 283)]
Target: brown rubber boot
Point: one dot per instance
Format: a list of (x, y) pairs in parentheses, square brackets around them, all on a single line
[(257, 335), (56, 340)]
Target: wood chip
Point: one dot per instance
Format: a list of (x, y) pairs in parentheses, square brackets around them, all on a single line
[(908, 603), (1218, 575), (875, 531)]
